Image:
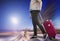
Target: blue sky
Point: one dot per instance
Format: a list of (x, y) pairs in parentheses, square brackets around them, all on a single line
[(20, 10)]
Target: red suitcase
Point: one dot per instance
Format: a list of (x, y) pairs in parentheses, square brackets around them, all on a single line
[(49, 29)]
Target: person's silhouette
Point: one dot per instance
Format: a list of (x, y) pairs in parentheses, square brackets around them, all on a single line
[(35, 8)]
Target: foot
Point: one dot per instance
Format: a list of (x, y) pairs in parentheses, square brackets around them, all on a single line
[(45, 36), (33, 37)]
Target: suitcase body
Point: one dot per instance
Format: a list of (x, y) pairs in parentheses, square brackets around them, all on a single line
[(49, 29)]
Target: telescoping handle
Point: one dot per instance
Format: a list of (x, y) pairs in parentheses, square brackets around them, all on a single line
[(42, 20)]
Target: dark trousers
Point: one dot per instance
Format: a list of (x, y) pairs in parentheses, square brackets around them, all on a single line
[(35, 22)]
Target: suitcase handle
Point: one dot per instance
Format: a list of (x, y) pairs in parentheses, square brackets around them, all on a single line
[(41, 18), (42, 21)]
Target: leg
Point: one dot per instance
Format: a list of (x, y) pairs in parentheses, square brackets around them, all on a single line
[(35, 29), (40, 26), (34, 26), (42, 29)]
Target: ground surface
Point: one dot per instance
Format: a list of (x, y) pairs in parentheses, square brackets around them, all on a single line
[(22, 38)]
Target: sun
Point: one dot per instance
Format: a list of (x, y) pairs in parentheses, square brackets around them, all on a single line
[(14, 20)]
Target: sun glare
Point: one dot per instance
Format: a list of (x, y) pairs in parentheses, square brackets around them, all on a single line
[(14, 20)]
